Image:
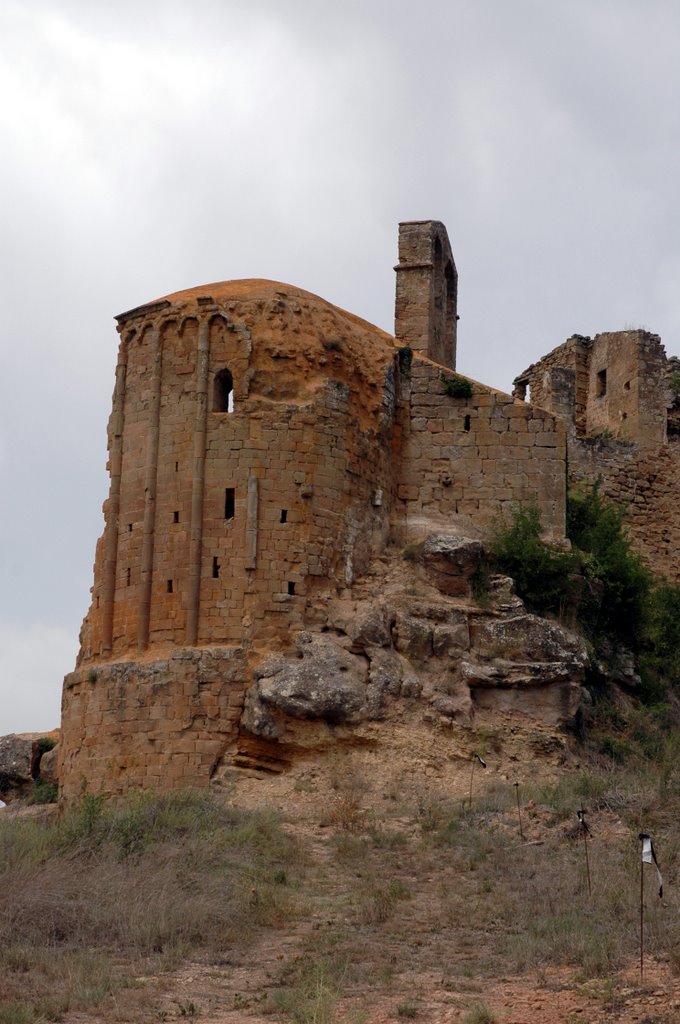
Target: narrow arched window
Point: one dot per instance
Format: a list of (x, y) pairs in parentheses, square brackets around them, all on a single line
[(223, 392)]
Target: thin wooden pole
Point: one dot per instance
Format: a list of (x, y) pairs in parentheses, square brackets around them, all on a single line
[(585, 844), (642, 916), (519, 812)]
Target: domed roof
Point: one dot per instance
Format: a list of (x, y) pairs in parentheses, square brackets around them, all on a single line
[(247, 289)]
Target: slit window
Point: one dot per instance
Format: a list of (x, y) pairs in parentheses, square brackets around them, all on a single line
[(216, 568), (291, 588), (128, 577), (601, 384), (626, 386), (177, 467), (170, 587), (229, 502), (129, 527), (466, 423), (223, 392), (175, 517), (284, 515)]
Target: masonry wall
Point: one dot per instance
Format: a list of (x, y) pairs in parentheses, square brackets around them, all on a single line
[(647, 482), (426, 304), (161, 724), (467, 460)]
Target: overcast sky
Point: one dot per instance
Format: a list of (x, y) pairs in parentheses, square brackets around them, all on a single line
[(152, 145)]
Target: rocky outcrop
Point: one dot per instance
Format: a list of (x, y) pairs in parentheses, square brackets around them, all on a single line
[(327, 683), (451, 561), (18, 758), (424, 640), (24, 759)]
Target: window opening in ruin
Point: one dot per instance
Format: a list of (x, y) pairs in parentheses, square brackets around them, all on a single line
[(175, 517), (216, 568), (223, 392), (291, 587), (128, 577), (170, 590), (284, 515), (97, 602), (466, 423), (129, 527), (626, 386), (601, 384), (451, 294), (229, 502), (177, 467), (438, 281)]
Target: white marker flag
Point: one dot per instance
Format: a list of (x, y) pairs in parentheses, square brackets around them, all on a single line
[(649, 857)]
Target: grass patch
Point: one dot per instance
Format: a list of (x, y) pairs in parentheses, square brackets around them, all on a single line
[(149, 876)]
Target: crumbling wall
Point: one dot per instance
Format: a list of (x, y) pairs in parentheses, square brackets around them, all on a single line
[(619, 385), (467, 460), (647, 482), (163, 723)]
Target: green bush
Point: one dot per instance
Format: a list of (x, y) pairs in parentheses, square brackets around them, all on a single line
[(616, 599), (43, 793), (456, 386), (601, 582), (544, 576)]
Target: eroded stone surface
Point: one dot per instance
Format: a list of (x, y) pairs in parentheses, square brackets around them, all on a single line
[(18, 760)]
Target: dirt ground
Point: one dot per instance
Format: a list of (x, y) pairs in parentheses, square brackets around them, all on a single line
[(420, 973)]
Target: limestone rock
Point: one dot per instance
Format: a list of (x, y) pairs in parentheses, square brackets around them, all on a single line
[(413, 637), (528, 665), (324, 682), (18, 756), (48, 766), (530, 638), (389, 675), (451, 562)]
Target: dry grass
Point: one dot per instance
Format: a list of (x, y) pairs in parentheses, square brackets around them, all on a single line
[(157, 876), (88, 904)]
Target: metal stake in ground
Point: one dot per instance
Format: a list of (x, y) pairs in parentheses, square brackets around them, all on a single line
[(585, 832), (475, 757), (647, 856), (519, 812)]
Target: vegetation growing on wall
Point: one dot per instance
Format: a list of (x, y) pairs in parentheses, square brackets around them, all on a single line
[(456, 386)]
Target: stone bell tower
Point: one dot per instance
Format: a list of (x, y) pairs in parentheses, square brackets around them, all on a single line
[(426, 313)]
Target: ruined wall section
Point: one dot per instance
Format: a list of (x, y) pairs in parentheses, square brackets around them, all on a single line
[(467, 460), (619, 386), (163, 723), (626, 394), (647, 482), (536, 383)]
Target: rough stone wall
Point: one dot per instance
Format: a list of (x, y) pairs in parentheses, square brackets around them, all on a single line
[(163, 723), (466, 460), (647, 481), (305, 466), (536, 383), (619, 385), (612, 394), (426, 306)]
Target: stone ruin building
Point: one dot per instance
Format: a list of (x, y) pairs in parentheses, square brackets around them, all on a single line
[(265, 446), (618, 397)]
